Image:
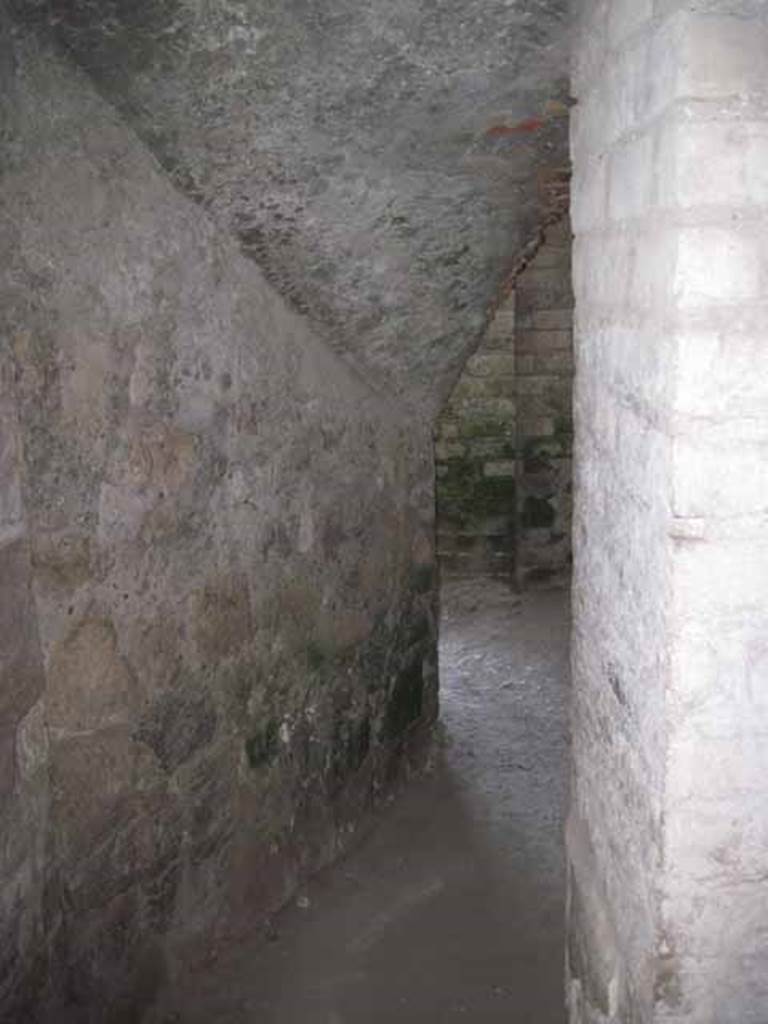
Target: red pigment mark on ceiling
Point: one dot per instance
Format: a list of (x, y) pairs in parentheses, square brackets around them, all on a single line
[(528, 126)]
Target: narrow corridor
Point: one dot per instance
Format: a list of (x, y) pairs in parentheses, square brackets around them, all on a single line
[(452, 908), (303, 304)]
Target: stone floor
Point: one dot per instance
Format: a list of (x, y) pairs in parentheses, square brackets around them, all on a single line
[(451, 909)]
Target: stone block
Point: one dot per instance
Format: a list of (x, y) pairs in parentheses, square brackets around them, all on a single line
[(558, 364), (90, 686), (491, 364), (632, 178), (713, 164), (539, 406), (62, 559), (537, 341), (483, 448), (211, 811), (485, 425), (32, 743), (496, 526), (502, 409), (110, 833), (716, 265), (501, 468), (10, 489), (722, 57), (178, 723), (154, 464), (720, 470), (720, 377), (501, 331), (21, 666), (90, 775), (602, 269), (532, 385), (620, 106), (450, 450), (661, 88), (626, 17), (221, 617), (542, 280), (550, 257), (543, 289), (589, 43), (560, 319), (542, 426), (589, 204), (636, 268), (560, 234), (7, 764), (447, 429), (479, 392)]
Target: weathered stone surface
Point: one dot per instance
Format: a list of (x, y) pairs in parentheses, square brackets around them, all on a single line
[(177, 724), (475, 507), (384, 164), (91, 775), (32, 742), (106, 971), (231, 562), (406, 698), (62, 559), (89, 683), (7, 763), (149, 481), (669, 830), (545, 418), (504, 471), (10, 484), (221, 615), (21, 667)]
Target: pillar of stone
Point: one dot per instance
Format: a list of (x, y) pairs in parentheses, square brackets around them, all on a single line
[(668, 833)]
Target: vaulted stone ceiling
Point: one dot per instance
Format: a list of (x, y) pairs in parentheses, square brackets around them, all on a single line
[(384, 161)]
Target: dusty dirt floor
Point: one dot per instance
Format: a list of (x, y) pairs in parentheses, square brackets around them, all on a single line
[(451, 908)]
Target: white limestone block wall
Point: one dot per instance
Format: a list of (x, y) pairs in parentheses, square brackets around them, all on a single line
[(668, 835)]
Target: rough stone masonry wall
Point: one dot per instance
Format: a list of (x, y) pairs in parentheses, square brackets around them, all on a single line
[(475, 449), (503, 441), (216, 571), (543, 390), (668, 836)]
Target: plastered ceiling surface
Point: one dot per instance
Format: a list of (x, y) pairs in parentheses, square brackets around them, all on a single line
[(385, 163)]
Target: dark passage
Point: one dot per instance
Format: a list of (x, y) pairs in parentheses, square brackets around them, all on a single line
[(452, 907)]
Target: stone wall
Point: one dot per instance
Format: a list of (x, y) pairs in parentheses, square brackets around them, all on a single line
[(475, 448), (543, 389), (216, 568), (668, 836), (503, 441)]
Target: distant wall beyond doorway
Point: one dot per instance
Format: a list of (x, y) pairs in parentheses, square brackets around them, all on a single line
[(503, 441)]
